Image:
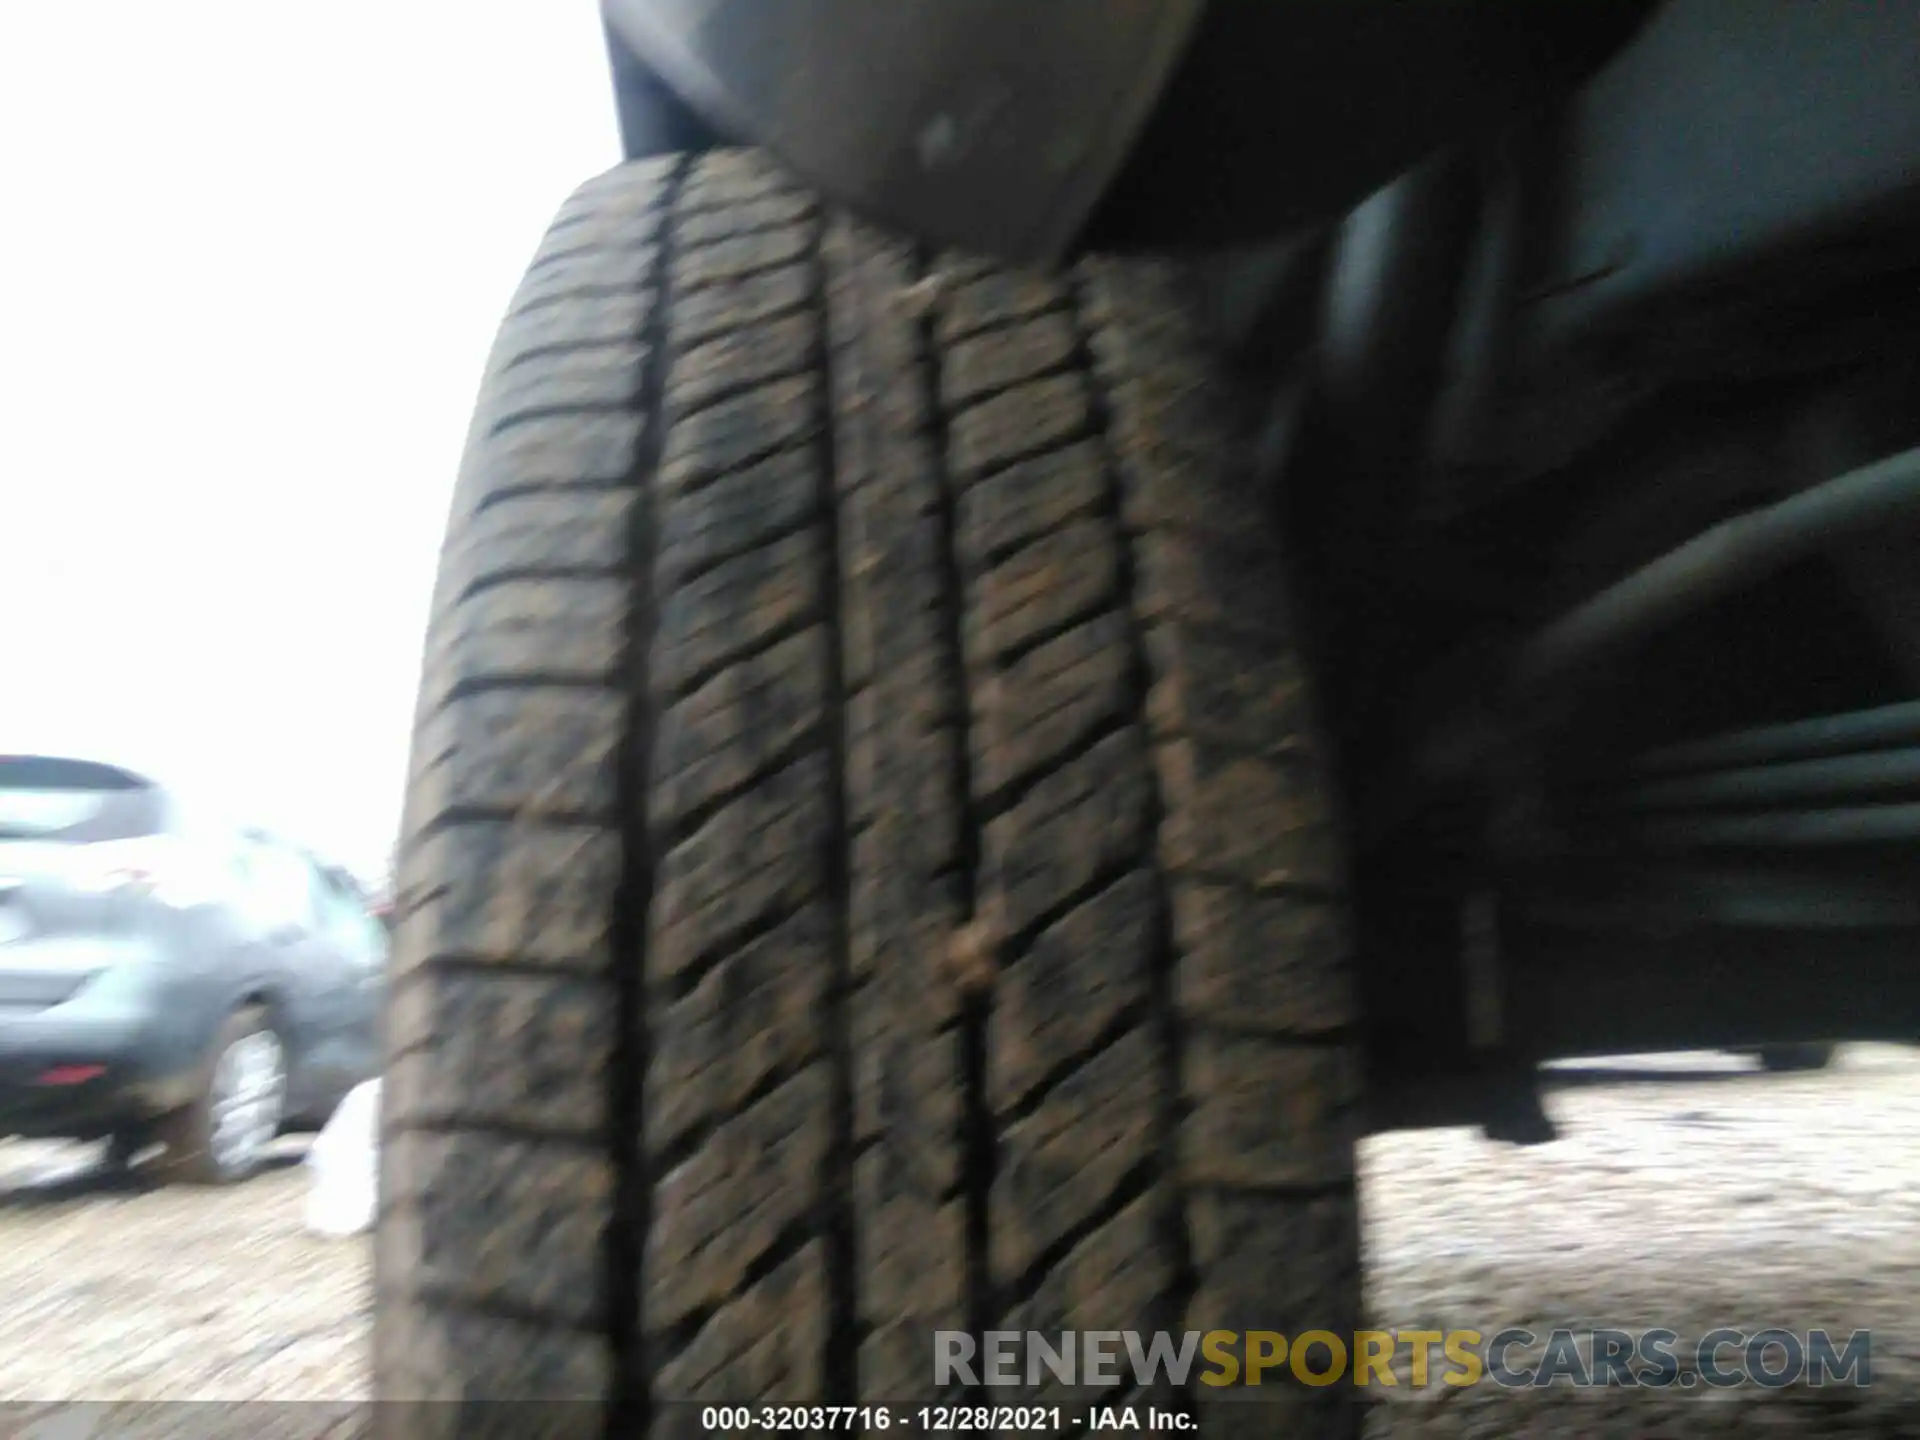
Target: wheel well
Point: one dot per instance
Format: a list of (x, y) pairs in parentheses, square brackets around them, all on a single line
[(653, 120)]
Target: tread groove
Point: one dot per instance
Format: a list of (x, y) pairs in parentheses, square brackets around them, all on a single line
[(976, 1137), (629, 1399), (1170, 1220), (840, 1361)]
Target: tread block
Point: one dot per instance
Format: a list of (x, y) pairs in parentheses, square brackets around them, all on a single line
[(891, 588), (538, 751), (1082, 821), (632, 187), (703, 224), (534, 337), (1263, 823), (1080, 975), (907, 1081), (1268, 1113), (751, 1018), (1002, 357), (1248, 1248), (722, 179), (763, 1344), (1234, 696), (511, 1050), (590, 377), (1060, 1164), (912, 1276), (763, 854), (544, 531), (1032, 498), (1178, 579), (1042, 589), (588, 275), (564, 628), (1052, 699), (979, 297), (440, 1355), (719, 616), (508, 1224), (717, 1214), (897, 754), (1115, 1278), (556, 451), (1029, 420), (730, 730), (741, 361), (738, 257), (1276, 962), (735, 513), (735, 433), (741, 306), (520, 893)]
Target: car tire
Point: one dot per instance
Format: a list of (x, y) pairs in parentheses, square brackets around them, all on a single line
[(193, 1152), (870, 865), (1795, 1059)]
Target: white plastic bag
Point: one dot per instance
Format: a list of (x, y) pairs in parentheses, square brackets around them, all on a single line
[(344, 1165)]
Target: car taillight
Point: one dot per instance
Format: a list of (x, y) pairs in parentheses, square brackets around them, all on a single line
[(70, 1074)]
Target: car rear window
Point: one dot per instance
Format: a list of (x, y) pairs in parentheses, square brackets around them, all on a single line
[(75, 802)]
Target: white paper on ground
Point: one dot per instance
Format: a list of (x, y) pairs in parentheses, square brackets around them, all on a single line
[(343, 1165)]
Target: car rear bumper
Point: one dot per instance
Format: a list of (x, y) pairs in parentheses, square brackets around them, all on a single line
[(80, 1076)]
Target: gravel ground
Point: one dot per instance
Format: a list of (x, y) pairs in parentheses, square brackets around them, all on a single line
[(114, 1291), (1696, 1196), (1715, 1197)]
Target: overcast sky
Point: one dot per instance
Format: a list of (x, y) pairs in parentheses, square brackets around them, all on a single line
[(252, 257)]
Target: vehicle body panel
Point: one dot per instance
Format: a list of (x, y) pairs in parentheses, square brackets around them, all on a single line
[(133, 981), (996, 122)]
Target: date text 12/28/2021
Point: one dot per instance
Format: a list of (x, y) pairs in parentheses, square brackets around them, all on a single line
[(938, 1419)]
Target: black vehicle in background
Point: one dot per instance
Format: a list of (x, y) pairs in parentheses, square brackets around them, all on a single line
[(166, 982)]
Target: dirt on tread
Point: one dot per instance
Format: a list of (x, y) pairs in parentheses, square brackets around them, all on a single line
[(846, 738)]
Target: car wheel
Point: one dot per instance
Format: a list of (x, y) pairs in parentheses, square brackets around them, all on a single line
[(223, 1136), (871, 868)]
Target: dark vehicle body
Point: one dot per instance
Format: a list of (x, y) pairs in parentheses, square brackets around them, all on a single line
[(129, 935)]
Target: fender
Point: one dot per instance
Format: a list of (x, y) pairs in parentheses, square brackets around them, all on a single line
[(995, 124), (1029, 130)]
